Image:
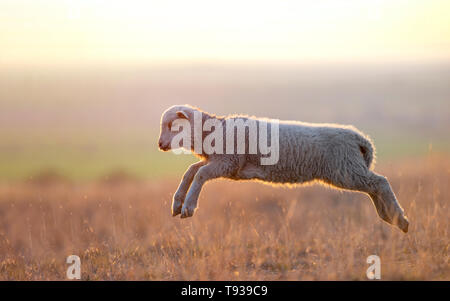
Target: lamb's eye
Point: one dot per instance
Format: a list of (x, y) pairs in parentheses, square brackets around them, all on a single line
[(170, 125)]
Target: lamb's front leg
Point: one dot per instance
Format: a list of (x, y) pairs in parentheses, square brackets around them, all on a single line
[(180, 194), (208, 172)]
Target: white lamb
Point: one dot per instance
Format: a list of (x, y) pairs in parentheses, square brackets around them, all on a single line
[(340, 156)]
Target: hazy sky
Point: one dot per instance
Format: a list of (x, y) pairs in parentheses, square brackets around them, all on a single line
[(86, 31)]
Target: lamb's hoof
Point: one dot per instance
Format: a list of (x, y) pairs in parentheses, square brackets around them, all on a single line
[(176, 208), (176, 211), (187, 212), (403, 223), (177, 203)]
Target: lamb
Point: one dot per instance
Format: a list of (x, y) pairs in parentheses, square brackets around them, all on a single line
[(336, 155)]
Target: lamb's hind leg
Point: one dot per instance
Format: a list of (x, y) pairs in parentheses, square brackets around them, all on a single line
[(384, 199), (380, 191)]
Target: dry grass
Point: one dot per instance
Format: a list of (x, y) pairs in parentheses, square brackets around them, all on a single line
[(242, 231)]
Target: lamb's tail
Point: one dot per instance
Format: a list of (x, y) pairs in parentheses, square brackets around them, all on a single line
[(367, 150)]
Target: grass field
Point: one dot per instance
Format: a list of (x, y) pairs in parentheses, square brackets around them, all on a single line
[(122, 229)]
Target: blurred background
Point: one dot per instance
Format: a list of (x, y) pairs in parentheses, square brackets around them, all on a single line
[(83, 83)]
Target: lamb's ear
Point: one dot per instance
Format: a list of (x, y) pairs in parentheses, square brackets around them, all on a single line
[(182, 114)]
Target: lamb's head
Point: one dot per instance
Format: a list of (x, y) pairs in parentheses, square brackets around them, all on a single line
[(174, 115)]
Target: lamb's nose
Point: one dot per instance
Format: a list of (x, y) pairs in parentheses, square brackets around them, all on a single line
[(160, 144)]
